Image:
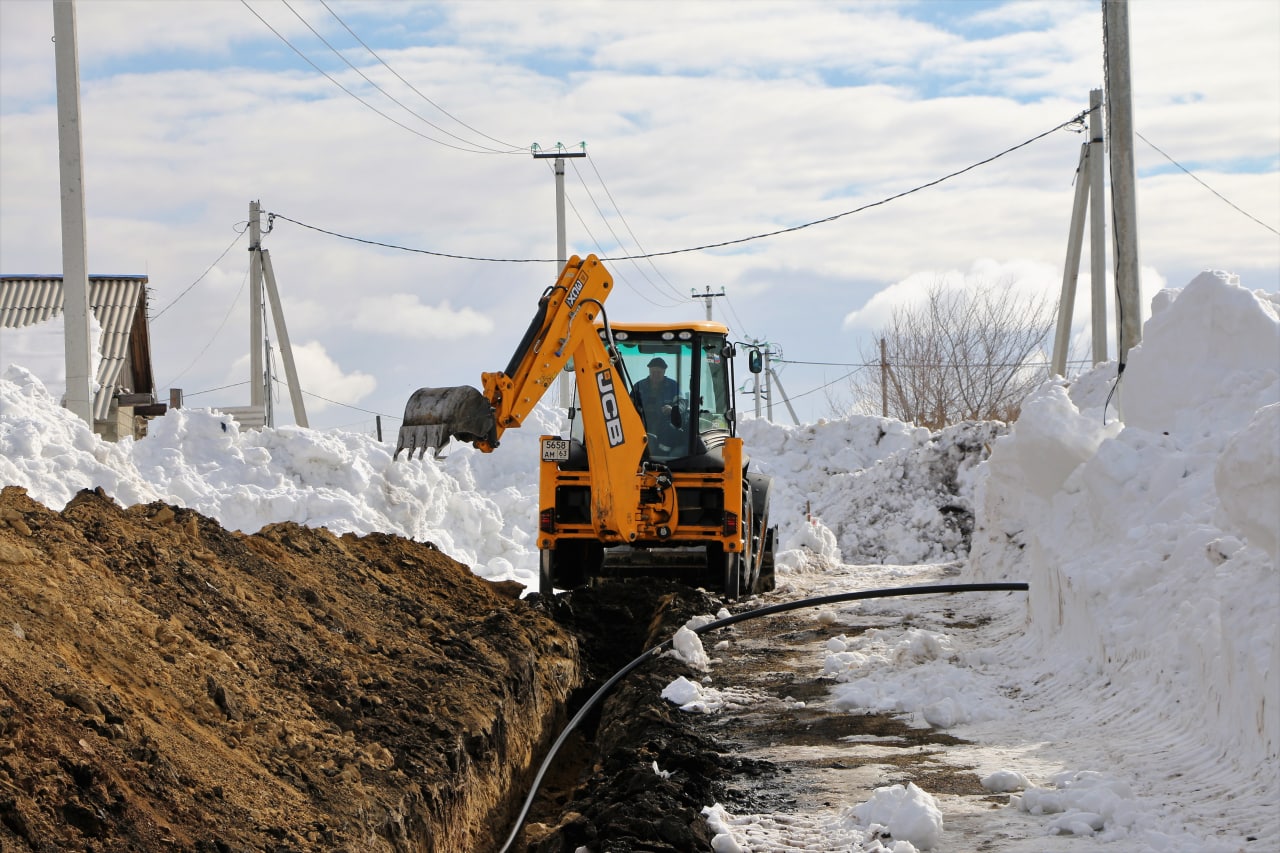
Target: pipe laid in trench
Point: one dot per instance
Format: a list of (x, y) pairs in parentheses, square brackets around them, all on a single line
[(783, 607)]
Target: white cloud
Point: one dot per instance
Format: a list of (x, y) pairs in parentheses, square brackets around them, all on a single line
[(1020, 279), (320, 377), (403, 315)]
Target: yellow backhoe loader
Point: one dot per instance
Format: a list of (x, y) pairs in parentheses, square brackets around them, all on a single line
[(652, 478)]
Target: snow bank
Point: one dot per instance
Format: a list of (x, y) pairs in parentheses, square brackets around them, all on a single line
[(881, 490), (246, 479), (1150, 543)]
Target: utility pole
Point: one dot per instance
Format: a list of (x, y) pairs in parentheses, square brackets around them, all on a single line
[(256, 339), (75, 270), (1097, 229), (1115, 40), (884, 379), (559, 155), (772, 379), (562, 253), (1088, 196), (707, 297), (262, 272)]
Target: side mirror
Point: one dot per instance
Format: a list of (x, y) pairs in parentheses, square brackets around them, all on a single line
[(755, 361)]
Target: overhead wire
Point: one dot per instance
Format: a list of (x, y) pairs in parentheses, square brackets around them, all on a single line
[(331, 79), (762, 236), (1206, 186), (416, 251), (414, 89), (199, 279), (740, 325), (215, 334), (374, 84), (619, 242), (1072, 121), (634, 238)]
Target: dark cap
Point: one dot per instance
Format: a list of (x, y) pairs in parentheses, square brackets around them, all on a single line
[(657, 362)]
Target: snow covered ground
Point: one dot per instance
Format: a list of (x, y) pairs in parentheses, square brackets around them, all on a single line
[(1132, 696)]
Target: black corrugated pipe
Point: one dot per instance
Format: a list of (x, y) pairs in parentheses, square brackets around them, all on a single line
[(654, 651)]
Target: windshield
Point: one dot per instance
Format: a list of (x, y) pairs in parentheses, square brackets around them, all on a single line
[(675, 383)]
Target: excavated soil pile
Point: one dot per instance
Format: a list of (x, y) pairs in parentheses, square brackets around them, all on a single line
[(168, 685)]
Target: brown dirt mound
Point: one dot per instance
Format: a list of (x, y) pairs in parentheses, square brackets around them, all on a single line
[(168, 685)]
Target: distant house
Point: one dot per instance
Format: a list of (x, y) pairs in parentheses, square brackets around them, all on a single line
[(126, 389)]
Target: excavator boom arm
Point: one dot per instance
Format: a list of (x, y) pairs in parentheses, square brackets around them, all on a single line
[(563, 324)]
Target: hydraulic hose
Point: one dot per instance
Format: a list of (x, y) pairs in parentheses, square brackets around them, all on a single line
[(783, 607)]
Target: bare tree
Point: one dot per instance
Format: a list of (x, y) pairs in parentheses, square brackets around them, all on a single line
[(964, 354)]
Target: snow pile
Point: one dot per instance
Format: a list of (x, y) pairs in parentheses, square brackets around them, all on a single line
[(476, 508), (696, 698), (687, 646), (911, 671), (906, 812), (889, 492), (1150, 548), (896, 819), (1084, 803)]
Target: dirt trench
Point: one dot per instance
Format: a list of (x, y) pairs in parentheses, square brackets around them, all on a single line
[(166, 684)]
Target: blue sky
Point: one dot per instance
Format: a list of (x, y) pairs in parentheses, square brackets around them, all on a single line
[(705, 122)]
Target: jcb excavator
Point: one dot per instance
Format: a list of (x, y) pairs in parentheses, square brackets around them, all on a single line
[(652, 478)]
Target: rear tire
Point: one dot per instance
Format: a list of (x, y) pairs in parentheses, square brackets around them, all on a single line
[(732, 575), (740, 565), (569, 565), (546, 574), (765, 583)]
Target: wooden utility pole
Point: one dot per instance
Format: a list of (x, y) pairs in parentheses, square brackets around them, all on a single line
[(75, 268), (1115, 40)]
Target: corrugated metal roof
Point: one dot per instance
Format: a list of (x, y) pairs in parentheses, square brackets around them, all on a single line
[(114, 300)]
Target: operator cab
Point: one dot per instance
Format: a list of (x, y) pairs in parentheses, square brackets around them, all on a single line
[(681, 380)]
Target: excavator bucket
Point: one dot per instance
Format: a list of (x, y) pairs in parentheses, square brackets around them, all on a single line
[(434, 415)]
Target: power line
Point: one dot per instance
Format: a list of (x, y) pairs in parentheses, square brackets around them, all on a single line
[(331, 79), (634, 238), (239, 234), (390, 97), (680, 299), (1206, 186), (215, 334), (928, 364), (417, 251), (515, 148), (824, 220), (895, 197)]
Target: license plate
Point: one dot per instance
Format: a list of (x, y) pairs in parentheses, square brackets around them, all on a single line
[(555, 450)]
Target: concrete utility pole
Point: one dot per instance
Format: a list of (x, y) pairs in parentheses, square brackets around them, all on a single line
[(1115, 39), (706, 297), (257, 393), (262, 273), (1097, 228), (1089, 194), (562, 255), (562, 252), (75, 270)]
